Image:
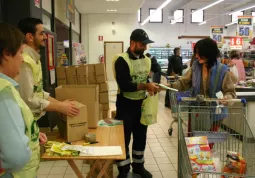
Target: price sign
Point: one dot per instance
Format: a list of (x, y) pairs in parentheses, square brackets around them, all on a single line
[(245, 26), (236, 43), (217, 34)]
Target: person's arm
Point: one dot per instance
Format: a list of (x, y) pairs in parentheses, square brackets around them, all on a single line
[(26, 90), (36, 104), (14, 150), (228, 86), (184, 83), (124, 79)]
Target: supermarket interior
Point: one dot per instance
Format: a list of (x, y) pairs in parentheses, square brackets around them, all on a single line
[(127, 88)]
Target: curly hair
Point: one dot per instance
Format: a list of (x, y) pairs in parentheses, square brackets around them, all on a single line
[(208, 49), (234, 54)]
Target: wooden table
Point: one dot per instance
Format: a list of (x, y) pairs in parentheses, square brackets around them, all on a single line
[(106, 136)]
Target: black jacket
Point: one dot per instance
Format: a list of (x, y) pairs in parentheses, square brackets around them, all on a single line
[(155, 67), (175, 65)]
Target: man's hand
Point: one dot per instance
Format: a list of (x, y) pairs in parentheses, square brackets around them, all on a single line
[(152, 88), (68, 108), (42, 138), (222, 101)]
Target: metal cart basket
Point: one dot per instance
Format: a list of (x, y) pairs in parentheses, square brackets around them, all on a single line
[(208, 119)]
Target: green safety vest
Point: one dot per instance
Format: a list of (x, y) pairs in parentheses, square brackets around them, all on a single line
[(139, 71), (37, 76), (32, 131)]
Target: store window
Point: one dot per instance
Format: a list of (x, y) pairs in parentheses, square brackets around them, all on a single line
[(157, 17), (253, 14), (179, 15), (234, 16), (139, 15), (197, 17)]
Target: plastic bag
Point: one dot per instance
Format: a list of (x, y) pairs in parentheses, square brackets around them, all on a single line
[(234, 71), (149, 110)]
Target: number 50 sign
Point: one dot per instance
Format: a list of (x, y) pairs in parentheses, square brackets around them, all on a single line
[(236, 43)]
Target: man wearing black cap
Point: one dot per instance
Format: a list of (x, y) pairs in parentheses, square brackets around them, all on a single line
[(131, 71)]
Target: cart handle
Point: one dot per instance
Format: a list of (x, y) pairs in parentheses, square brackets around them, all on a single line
[(200, 99)]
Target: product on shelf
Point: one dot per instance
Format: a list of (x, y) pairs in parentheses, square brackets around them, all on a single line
[(200, 154)]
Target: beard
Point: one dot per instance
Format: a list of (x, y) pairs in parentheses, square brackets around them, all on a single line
[(139, 52)]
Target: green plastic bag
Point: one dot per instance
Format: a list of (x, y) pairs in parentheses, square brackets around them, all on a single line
[(149, 110)]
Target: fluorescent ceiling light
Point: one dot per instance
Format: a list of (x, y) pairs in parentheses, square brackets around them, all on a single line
[(244, 9), (111, 10), (206, 7), (202, 23), (210, 5), (230, 24), (155, 12)]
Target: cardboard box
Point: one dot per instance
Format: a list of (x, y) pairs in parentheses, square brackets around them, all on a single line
[(82, 75), (91, 69), (85, 94), (101, 112), (106, 107), (104, 98), (113, 114), (103, 87), (100, 69), (92, 79), (61, 82), (71, 75), (106, 114), (61, 75), (101, 79), (75, 128)]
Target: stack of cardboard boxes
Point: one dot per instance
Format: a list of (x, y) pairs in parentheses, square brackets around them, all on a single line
[(87, 85)]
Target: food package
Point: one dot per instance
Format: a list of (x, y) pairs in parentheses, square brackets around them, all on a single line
[(235, 164), (200, 154)]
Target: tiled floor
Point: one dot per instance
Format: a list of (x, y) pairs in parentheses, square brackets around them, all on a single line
[(160, 154)]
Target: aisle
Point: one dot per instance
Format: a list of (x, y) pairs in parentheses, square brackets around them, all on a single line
[(160, 154)]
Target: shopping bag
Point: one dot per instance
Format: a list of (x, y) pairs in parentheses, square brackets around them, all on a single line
[(149, 110), (234, 71)]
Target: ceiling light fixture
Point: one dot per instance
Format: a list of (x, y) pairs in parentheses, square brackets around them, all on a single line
[(111, 10), (232, 23), (244, 9), (203, 8), (210, 5), (202, 23), (155, 12)]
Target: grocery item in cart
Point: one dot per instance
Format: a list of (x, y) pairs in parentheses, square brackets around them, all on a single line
[(235, 164), (200, 154)]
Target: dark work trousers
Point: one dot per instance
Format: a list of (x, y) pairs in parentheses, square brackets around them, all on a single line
[(130, 112), (167, 99)]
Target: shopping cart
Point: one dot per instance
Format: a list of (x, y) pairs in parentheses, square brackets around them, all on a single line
[(201, 120), (173, 95)]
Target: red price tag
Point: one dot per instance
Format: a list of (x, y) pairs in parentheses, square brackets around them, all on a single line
[(236, 41)]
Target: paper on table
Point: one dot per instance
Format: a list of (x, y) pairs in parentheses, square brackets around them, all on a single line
[(95, 150)]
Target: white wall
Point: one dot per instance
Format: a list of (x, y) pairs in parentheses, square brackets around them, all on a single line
[(76, 25), (94, 25)]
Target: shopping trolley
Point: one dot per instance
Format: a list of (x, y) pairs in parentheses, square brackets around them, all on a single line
[(173, 95), (220, 124)]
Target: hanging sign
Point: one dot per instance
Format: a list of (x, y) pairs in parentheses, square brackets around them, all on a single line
[(70, 10), (37, 3), (217, 34), (245, 27), (236, 43)]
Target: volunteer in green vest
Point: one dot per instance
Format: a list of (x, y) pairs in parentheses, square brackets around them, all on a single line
[(19, 133), (30, 78), (131, 70)]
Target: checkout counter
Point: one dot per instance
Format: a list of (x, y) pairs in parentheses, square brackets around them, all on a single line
[(236, 125)]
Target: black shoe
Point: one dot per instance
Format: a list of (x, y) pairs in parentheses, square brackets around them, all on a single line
[(122, 175), (143, 173)]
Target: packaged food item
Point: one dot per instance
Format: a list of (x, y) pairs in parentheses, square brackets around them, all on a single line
[(235, 165), (200, 154)]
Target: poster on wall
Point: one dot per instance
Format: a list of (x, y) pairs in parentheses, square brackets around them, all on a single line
[(70, 10), (217, 34), (37, 3), (245, 27)]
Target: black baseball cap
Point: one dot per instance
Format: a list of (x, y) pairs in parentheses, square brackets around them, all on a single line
[(141, 36)]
